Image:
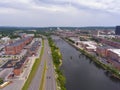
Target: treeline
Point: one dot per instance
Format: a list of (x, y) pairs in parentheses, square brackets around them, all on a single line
[(56, 56), (1, 81)]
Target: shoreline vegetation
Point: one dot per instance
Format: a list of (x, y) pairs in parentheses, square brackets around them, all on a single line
[(57, 60), (113, 71)]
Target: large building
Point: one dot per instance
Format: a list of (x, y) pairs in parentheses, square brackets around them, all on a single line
[(16, 47), (87, 45), (117, 31), (19, 66), (114, 57), (5, 39), (102, 51), (114, 54), (34, 48), (108, 42)]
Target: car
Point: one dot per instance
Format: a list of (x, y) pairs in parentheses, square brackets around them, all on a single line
[(48, 77), (48, 52)]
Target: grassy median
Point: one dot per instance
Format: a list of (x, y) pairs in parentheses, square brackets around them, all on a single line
[(34, 69), (42, 84), (57, 57)]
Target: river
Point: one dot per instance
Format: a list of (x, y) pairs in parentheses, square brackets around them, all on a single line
[(81, 73)]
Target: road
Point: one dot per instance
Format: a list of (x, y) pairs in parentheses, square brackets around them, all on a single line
[(50, 81), (50, 84)]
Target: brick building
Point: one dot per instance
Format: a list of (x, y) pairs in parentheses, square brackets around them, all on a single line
[(16, 47), (112, 55), (34, 48), (102, 51), (19, 66), (109, 42)]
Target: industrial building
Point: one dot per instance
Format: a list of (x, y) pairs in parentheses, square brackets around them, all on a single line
[(109, 42), (19, 66), (112, 55), (34, 48), (87, 45), (16, 47)]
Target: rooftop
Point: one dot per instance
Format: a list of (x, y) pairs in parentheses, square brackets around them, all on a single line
[(20, 63), (19, 42), (34, 46), (117, 51), (9, 64)]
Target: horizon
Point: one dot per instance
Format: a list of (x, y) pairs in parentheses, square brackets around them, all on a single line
[(57, 26)]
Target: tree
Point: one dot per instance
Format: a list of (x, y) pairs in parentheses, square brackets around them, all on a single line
[(1, 81)]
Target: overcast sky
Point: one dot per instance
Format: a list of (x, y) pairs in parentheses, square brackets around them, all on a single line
[(59, 13)]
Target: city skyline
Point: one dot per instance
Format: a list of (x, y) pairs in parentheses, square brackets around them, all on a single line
[(45, 13)]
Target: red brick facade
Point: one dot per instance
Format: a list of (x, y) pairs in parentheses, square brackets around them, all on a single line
[(16, 48), (19, 69)]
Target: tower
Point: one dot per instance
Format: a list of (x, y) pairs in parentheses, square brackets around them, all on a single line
[(117, 30)]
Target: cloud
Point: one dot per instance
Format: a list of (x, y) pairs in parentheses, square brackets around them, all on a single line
[(59, 12), (102, 5), (62, 5)]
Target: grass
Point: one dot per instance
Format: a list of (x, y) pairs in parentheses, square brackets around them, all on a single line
[(34, 69), (57, 57), (43, 78)]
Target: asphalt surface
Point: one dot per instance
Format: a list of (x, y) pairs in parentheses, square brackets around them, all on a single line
[(50, 83)]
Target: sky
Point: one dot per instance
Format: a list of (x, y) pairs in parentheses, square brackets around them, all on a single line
[(46, 13)]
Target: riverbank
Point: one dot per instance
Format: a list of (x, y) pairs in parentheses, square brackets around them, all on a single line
[(57, 60), (113, 71)]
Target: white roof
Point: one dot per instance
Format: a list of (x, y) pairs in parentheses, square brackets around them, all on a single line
[(5, 38), (91, 44), (116, 51), (91, 47)]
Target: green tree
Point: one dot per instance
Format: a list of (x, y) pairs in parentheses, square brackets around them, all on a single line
[(1, 81)]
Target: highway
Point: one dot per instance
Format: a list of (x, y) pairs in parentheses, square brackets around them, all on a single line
[(49, 83)]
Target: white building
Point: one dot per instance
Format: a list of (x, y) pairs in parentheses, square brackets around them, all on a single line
[(32, 35), (114, 54), (88, 45), (5, 39)]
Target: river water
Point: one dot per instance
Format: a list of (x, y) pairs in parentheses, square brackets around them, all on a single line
[(81, 73)]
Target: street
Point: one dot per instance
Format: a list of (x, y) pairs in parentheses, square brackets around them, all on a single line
[(50, 81), (50, 74)]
